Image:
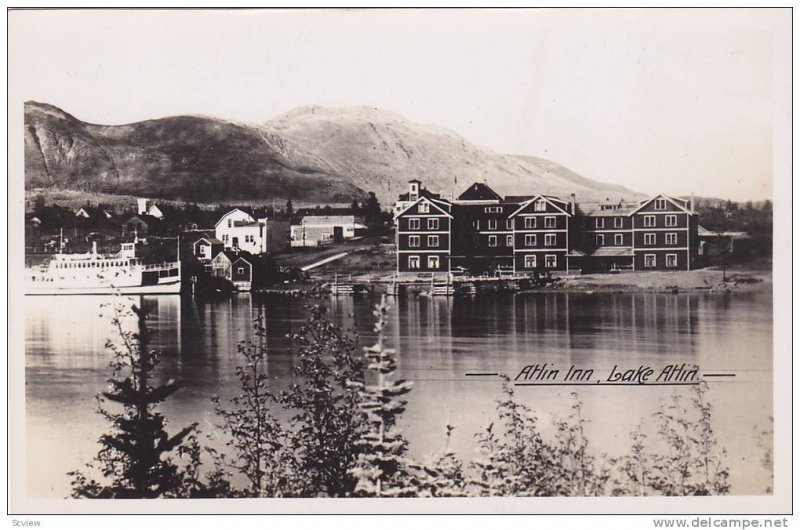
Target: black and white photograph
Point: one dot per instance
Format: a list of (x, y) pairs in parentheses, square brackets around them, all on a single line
[(399, 261)]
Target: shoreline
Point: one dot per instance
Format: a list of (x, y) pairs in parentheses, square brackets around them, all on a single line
[(709, 280)]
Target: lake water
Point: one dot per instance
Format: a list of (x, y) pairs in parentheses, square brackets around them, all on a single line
[(438, 341)]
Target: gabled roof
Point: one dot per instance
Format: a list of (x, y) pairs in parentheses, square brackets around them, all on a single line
[(209, 240), (549, 200), (422, 193), (479, 192), (250, 217), (676, 202), (233, 256), (431, 202)]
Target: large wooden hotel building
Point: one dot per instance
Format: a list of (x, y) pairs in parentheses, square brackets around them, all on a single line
[(481, 232)]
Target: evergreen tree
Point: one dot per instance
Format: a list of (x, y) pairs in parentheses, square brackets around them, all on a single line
[(289, 208), (327, 421), (134, 456), (381, 469)]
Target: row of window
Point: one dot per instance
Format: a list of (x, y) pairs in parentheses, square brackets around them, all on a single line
[(550, 261), (91, 264), (413, 241), (670, 260), (549, 222), (415, 224), (670, 238), (549, 240), (414, 261)]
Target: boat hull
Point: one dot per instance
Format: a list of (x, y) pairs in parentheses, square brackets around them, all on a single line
[(165, 288)]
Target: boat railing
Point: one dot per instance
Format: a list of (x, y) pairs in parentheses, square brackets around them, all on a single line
[(159, 266)]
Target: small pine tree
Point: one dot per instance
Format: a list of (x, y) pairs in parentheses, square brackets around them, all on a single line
[(134, 456), (255, 436), (634, 468), (381, 469), (327, 421)]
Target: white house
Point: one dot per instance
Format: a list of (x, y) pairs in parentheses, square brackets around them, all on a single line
[(315, 230), (144, 207), (239, 231)]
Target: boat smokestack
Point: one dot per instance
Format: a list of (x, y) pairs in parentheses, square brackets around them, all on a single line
[(94, 248)]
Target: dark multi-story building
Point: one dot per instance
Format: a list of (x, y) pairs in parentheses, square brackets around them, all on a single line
[(481, 232)]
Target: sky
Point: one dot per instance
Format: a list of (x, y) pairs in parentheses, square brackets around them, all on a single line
[(672, 101)]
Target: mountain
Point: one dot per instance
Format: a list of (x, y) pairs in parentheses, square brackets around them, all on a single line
[(311, 154), (183, 157), (381, 151)]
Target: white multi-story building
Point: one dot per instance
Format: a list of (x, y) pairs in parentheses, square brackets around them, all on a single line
[(239, 231)]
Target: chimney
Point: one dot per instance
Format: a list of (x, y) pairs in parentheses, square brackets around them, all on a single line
[(572, 203), (141, 206), (691, 203)]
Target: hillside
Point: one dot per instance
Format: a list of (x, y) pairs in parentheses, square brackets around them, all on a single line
[(311, 154), (381, 151), (184, 157)]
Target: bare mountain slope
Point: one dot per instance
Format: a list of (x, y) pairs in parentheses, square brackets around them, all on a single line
[(309, 154)]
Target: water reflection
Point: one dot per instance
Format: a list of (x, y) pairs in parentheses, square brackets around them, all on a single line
[(439, 340)]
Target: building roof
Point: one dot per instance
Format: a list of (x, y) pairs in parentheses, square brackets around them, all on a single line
[(330, 220), (250, 217), (210, 240), (479, 192), (422, 193), (607, 208), (612, 252), (234, 255)]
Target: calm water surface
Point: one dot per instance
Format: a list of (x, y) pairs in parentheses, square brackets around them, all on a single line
[(439, 341)]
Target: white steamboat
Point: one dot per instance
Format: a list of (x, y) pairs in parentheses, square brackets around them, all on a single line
[(93, 273)]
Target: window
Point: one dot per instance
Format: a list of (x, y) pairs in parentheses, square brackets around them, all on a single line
[(671, 220), (530, 222), (530, 240), (413, 241), (509, 224), (530, 262), (413, 262), (672, 260), (618, 222), (239, 270), (599, 222), (433, 224), (549, 222), (230, 223), (671, 238), (509, 241), (225, 238), (492, 224), (650, 239), (550, 261), (477, 224), (661, 204), (493, 209), (649, 220), (433, 262), (433, 241), (492, 241), (649, 260), (540, 206), (549, 240), (249, 238), (600, 240), (424, 207), (618, 239), (413, 224)]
